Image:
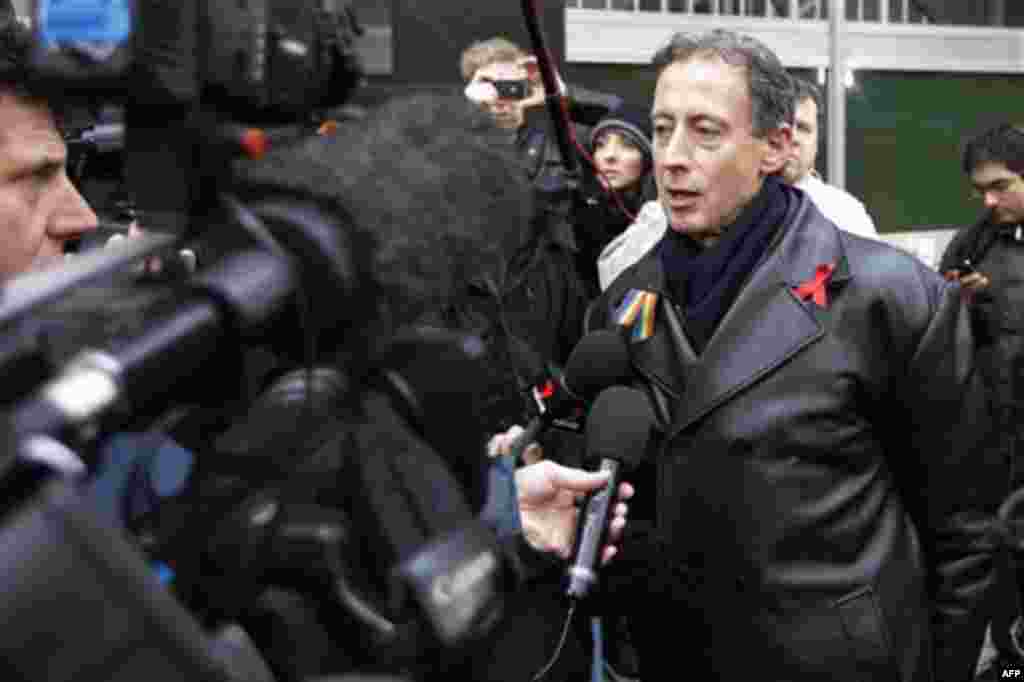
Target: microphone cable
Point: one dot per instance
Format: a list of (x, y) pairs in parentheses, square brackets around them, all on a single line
[(561, 644)]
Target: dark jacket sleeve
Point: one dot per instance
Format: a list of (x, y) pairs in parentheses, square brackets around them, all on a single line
[(590, 106), (968, 242), (951, 482), (956, 249)]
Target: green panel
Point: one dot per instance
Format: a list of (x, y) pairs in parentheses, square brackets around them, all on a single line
[(905, 133)]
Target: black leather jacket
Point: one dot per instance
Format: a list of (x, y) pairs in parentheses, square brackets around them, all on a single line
[(820, 497)]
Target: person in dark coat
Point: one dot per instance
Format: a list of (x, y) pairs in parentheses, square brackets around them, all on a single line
[(397, 457), (547, 298), (819, 495), (612, 197), (987, 258)]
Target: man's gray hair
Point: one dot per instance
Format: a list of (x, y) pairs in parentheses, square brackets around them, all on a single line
[(771, 88)]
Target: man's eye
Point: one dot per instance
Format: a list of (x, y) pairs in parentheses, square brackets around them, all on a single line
[(707, 133)]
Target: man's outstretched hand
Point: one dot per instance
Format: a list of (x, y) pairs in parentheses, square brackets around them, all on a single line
[(549, 497)]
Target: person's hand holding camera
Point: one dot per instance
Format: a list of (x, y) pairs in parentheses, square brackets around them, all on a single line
[(506, 90), (970, 279)]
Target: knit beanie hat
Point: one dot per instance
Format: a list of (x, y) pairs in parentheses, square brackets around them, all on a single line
[(633, 124)]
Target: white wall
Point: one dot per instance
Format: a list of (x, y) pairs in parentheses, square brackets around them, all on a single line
[(631, 38), (926, 245)]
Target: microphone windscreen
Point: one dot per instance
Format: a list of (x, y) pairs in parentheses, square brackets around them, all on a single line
[(599, 360), (619, 425)]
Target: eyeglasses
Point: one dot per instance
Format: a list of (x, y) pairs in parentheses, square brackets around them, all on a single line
[(999, 187)]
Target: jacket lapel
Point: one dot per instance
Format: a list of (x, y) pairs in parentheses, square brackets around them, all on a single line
[(658, 357), (768, 323)]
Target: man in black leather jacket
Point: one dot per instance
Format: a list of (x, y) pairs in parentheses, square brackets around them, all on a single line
[(819, 499)]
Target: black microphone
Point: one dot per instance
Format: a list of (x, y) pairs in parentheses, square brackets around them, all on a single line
[(599, 360), (618, 429)]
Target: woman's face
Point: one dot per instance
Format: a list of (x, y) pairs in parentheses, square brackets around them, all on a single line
[(620, 162)]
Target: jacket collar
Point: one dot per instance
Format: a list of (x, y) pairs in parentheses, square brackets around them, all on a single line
[(766, 325)]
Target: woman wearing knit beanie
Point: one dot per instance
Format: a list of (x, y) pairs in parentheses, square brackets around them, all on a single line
[(620, 145)]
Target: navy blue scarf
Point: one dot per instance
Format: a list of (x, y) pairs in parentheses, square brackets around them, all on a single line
[(705, 281)]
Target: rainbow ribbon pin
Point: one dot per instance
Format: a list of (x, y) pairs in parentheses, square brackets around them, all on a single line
[(637, 312)]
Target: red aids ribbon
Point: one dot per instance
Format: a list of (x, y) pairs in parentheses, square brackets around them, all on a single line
[(815, 288), (547, 390)]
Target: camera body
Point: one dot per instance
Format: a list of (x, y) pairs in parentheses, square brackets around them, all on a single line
[(512, 89), (257, 61), (193, 78)]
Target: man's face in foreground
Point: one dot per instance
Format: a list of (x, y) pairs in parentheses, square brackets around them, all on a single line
[(40, 210), (707, 161)]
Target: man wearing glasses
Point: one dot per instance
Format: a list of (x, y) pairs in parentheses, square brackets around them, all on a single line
[(984, 257), (987, 259)]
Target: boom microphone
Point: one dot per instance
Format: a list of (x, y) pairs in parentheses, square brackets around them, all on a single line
[(599, 360), (618, 429)]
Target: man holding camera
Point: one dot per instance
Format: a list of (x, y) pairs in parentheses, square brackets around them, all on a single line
[(505, 81), (546, 308), (41, 212)]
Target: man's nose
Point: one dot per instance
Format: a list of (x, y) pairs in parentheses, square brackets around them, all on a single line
[(72, 217), (678, 152), (991, 199)]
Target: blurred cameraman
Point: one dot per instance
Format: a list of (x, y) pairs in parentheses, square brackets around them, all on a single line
[(436, 188), (422, 256), (41, 212)]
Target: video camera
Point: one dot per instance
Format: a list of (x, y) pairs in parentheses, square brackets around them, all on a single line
[(202, 84)]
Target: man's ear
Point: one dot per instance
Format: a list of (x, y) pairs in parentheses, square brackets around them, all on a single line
[(778, 146)]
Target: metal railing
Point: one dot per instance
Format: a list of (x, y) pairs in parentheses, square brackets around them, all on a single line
[(880, 11)]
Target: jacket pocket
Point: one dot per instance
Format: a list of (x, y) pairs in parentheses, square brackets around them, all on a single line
[(867, 635)]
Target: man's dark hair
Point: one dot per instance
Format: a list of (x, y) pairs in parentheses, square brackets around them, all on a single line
[(15, 49), (804, 89), (16, 44), (1002, 144), (770, 86)]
